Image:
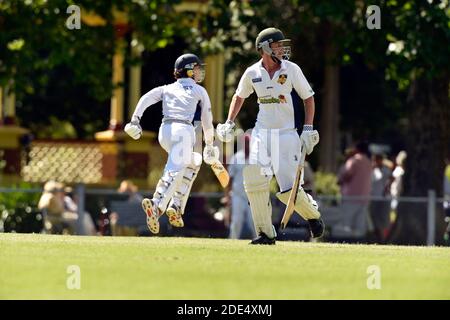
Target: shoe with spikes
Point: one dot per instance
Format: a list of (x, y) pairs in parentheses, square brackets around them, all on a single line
[(153, 213), (175, 216)]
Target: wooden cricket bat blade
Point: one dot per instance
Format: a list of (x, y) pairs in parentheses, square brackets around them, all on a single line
[(288, 212), (221, 173), (290, 206)]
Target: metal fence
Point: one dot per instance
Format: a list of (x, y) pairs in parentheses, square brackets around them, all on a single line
[(431, 200), (81, 192)]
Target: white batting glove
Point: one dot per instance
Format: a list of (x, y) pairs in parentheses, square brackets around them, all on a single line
[(225, 131), (309, 137), (133, 129), (210, 154)]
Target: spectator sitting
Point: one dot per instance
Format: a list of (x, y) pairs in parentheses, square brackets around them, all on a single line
[(71, 205), (128, 188), (56, 219), (60, 211)]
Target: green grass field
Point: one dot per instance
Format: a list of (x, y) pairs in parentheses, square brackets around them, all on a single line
[(35, 267)]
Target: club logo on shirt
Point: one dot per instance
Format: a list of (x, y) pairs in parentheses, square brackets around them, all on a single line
[(282, 78), (254, 80), (268, 100)]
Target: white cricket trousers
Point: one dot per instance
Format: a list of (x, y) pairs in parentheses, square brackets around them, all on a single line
[(178, 140), (277, 151)]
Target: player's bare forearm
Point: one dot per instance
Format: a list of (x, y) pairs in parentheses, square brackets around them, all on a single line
[(235, 107), (309, 110)]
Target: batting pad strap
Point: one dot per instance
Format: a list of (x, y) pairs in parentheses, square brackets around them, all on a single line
[(257, 188), (183, 190), (305, 205), (170, 181)]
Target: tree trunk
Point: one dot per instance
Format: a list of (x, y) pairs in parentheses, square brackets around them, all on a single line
[(427, 147), (329, 121)]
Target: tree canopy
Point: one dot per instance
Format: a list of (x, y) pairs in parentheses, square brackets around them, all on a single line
[(61, 74)]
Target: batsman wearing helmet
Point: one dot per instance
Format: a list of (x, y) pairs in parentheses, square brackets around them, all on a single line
[(177, 137), (275, 148)]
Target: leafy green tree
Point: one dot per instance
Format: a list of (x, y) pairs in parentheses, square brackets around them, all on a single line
[(67, 73), (417, 60)]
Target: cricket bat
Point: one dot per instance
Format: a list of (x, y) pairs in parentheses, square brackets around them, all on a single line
[(294, 191), (221, 173)]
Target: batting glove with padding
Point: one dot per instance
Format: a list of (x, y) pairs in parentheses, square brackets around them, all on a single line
[(309, 137), (210, 154), (225, 131), (133, 129)]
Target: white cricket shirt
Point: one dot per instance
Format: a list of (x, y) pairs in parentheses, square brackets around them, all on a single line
[(276, 110), (180, 100)]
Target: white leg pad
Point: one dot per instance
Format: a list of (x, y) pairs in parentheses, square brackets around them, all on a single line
[(305, 205), (166, 188), (181, 194), (257, 188)]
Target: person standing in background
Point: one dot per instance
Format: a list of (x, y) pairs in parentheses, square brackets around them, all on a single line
[(241, 215), (380, 208), (355, 180)]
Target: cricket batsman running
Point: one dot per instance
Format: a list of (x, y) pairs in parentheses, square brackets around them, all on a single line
[(177, 137), (275, 148)]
